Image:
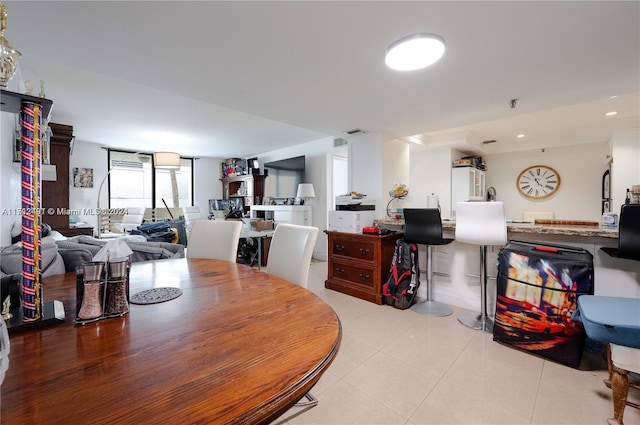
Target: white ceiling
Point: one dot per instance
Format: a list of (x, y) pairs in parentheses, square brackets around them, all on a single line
[(234, 79)]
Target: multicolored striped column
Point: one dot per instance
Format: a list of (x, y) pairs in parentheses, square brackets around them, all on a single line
[(31, 195)]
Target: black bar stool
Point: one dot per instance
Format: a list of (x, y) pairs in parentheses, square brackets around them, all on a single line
[(424, 226), (628, 234)]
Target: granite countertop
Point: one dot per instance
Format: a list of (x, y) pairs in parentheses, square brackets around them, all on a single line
[(569, 230)]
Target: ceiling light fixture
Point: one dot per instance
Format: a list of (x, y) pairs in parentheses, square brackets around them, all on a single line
[(608, 114), (414, 52), (520, 136)]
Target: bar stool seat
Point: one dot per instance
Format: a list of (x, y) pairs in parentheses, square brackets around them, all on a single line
[(424, 226), (483, 224)]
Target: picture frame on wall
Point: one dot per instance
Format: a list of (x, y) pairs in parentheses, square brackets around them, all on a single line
[(82, 177)]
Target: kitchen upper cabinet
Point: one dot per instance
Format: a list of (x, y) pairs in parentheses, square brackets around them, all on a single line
[(467, 184)]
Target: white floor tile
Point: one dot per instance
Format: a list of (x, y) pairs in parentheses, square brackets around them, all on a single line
[(401, 367)]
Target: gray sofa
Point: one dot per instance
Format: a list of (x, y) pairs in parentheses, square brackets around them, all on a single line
[(61, 256)]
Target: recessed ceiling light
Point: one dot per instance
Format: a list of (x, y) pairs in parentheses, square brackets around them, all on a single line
[(520, 136), (608, 114), (416, 51), (613, 97)]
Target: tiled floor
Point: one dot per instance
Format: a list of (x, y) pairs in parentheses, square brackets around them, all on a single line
[(400, 367)]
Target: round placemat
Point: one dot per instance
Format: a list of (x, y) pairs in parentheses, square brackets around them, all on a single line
[(155, 295)]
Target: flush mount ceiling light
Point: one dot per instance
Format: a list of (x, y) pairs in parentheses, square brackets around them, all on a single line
[(416, 51), (609, 114)]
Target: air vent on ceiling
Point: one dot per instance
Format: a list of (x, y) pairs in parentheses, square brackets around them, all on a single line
[(486, 142), (339, 142), (355, 131)]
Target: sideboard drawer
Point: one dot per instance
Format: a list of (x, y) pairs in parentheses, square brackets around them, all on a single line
[(358, 250), (354, 274)]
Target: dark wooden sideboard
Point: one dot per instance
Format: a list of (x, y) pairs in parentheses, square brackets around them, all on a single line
[(55, 194), (359, 264)]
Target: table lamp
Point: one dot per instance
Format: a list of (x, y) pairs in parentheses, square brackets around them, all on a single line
[(305, 191)]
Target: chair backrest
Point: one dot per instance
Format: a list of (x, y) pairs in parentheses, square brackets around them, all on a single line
[(214, 239), (629, 232), (531, 216), (135, 211), (423, 226), (191, 214), (290, 252), (481, 223), (131, 220)]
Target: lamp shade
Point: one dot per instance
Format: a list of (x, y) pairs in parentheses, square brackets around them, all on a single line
[(166, 160), (305, 190)]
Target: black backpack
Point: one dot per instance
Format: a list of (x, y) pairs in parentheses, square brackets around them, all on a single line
[(402, 285)]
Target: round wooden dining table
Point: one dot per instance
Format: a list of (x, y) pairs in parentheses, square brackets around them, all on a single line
[(238, 346)]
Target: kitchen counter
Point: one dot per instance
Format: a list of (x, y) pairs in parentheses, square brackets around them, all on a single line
[(456, 265), (536, 229)]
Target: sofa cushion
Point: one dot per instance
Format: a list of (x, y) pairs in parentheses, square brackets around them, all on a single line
[(74, 257), (142, 249), (51, 263)]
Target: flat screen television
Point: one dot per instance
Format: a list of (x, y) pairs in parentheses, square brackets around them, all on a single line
[(283, 177)]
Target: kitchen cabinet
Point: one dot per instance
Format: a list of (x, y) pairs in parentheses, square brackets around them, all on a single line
[(467, 184), (359, 264)]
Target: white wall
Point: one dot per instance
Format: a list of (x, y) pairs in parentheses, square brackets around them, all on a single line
[(430, 172), (89, 155), (365, 169), (580, 168), (316, 173), (395, 170), (206, 182), (625, 168)]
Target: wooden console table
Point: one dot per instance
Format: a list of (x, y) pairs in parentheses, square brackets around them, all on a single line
[(359, 264), (238, 346)]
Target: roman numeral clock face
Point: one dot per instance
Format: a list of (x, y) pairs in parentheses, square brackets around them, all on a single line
[(538, 181)]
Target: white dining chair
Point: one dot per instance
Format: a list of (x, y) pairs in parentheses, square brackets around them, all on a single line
[(290, 258), (216, 240), (290, 252), (131, 220), (191, 214)]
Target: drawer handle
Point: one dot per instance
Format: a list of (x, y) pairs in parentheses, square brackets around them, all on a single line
[(339, 270), (364, 251), (364, 276), (339, 247)]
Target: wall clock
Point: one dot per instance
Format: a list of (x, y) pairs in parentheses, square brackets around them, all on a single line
[(538, 181)]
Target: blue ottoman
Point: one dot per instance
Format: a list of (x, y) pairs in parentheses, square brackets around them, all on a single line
[(611, 319), (615, 321)]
